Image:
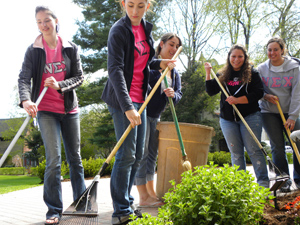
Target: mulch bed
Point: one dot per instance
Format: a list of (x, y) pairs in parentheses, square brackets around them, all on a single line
[(282, 216)]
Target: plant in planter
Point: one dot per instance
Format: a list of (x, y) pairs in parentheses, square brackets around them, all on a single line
[(211, 195)]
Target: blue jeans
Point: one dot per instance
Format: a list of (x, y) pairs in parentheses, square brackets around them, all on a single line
[(273, 125), (52, 125), (127, 160), (237, 137), (147, 167)]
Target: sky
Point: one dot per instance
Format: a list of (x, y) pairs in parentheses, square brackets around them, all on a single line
[(18, 31)]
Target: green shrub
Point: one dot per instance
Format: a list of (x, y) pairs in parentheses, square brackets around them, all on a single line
[(148, 219), (12, 171), (92, 166), (212, 195), (219, 158), (247, 157), (64, 168), (41, 169), (289, 157), (34, 171)]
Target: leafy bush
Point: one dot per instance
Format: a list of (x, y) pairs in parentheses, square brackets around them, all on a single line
[(12, 171), (8, 161), (219, 158), (212, 195), (41, 169), (289, 157), (92, 166)]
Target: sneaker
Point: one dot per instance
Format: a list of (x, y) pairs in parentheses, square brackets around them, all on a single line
[(136, 211), (120, 220), (286, 187), (297, 185)]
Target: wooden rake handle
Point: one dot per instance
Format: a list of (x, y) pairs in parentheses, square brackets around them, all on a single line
[(288, 131), (125, 134), (238, 112)]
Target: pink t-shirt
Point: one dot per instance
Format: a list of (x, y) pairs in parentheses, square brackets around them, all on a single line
[(141, 56), (55, 66)]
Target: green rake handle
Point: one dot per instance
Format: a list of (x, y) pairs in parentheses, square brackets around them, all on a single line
[(175, 121)]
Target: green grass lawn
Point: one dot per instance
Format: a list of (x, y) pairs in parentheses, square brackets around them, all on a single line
[(9, 183)]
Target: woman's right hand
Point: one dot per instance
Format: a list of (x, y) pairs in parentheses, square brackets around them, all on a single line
[(30, 107), (134, 117), (207, 67), (271, 98)]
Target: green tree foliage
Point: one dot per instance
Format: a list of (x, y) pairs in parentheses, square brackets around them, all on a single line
[(104, 134), (284, 20), (99, 16), (97, 133), (34, 142), (90, 93), (195, 101)]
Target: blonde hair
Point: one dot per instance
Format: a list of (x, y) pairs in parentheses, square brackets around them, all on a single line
[(121, 5)]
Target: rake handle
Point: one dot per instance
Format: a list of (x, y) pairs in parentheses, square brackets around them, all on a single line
[(175, 121), (288, 131), (26, 121), (125, 134)]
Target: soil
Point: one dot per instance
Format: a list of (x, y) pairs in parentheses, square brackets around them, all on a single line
[(282, 216)]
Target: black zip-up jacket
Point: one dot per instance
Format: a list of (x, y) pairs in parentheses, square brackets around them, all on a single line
[(33, 67), (120, 64), (159, 100), (252, 90)]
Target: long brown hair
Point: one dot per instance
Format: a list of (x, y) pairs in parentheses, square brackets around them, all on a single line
[(164, 39), (227, 70)]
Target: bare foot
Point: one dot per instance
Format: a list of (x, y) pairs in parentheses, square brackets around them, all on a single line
[(154, 202), (52, 220)]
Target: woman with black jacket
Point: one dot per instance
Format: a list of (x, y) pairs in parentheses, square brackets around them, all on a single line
[(54, 63), (130, 53), (245, 88)]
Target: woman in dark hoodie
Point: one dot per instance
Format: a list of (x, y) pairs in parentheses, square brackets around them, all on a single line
[(245, 88)]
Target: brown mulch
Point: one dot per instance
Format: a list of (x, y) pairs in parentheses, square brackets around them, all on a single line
[(281, 216)]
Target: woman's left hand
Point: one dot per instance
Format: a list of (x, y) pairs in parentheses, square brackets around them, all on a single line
[(290, 124), (52, 83), (169, 92), (232, 100), (167, 63)]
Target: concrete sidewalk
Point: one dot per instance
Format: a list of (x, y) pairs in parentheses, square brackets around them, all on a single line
[(27, 206)]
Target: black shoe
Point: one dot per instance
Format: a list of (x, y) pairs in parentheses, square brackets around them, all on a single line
[(286, 187), (138, 213)]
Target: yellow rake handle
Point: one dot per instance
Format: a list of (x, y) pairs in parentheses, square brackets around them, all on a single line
[(288, 131)]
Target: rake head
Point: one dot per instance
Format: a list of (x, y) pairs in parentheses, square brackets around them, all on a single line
[(86, 204)]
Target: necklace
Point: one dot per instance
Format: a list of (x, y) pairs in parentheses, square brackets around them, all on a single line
[(136, 28)]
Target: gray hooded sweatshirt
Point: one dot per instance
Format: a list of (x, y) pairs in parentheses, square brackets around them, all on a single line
[(283, 82)]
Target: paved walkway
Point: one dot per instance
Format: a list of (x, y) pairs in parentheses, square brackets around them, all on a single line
[(27, 206)]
